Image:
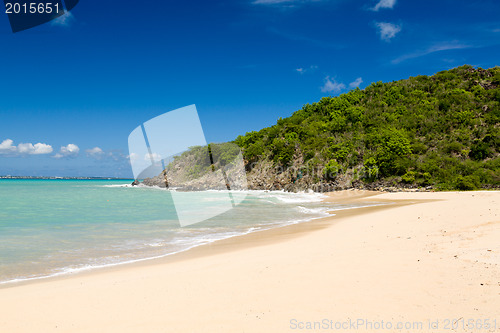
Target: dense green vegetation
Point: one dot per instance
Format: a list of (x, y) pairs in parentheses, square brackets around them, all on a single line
[(440, 131)]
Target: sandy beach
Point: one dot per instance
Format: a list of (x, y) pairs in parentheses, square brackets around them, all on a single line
[(428, 262)]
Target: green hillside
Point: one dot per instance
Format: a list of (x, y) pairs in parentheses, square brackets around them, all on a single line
[(439, 131)]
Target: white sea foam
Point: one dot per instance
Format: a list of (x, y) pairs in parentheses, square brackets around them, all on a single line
[(281, 195), (298, 198), (290, 197), (203, 240), (317, 211)]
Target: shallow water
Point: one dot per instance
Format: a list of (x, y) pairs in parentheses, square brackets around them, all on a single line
[(54, 227)]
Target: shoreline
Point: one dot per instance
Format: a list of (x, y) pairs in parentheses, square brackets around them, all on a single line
[(430, 256), (344, 197)]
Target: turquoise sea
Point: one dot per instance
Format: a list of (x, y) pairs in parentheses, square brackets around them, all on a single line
[(55, 227)]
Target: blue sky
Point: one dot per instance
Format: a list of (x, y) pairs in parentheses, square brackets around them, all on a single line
[(71, 91)]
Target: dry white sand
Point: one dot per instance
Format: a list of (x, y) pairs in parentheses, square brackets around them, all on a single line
[(436, 259)]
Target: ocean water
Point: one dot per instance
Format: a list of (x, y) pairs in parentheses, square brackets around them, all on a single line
[(55, 227)]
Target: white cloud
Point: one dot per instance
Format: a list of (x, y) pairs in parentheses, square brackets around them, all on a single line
[(7, 147), (356, 83), (95, 152), (386, 4), (42, 148), (305, 70), (133, 157), (37, 149), (332, 86), (64, 20), (388, 30), (435, 48), (154, 157), (116, 155), (70, 150), (25, 148)]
